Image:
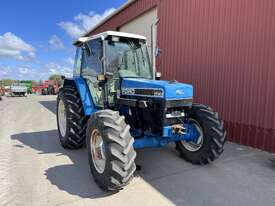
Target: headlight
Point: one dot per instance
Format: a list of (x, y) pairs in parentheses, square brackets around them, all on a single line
[(175, 114), (145, 92), (158, 93)]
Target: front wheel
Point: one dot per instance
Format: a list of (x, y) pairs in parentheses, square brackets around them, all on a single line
[(211, 136), (110, 150)]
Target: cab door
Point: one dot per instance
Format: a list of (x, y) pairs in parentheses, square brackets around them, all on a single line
[(91, 67)]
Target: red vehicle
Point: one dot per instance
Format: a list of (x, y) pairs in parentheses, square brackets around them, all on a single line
[(2, 89), (48, 87)]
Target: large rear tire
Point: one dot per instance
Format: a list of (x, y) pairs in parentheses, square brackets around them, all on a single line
[(110, 150), (71, 120), (209, 145)]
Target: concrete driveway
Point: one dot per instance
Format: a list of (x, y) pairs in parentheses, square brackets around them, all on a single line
[(36, 170)]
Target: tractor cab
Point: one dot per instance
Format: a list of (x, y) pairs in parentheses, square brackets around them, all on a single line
[(104, 60)]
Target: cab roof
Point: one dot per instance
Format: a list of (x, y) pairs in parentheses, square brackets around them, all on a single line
[(105, 34)]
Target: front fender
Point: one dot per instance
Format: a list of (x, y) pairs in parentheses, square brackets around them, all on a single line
[(84, 92)]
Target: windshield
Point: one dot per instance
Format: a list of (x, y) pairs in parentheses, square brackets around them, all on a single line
[(128, 58)]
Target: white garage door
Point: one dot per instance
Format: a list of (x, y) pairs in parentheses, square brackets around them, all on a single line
[(142, 25)]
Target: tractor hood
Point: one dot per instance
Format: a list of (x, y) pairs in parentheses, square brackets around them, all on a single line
[(156, 88)]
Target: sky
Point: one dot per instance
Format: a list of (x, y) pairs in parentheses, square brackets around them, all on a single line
[(36, 36)]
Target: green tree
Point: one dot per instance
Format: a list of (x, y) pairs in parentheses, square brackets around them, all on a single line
[(7, 82), (57, 78)]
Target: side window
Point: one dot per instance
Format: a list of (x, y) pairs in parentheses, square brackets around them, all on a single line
[(91, 65), (77, 61)]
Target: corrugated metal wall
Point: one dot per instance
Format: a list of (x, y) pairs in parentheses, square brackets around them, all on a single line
[(226, 49)]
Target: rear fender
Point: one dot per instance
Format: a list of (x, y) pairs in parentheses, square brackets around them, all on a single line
[(85, 96)]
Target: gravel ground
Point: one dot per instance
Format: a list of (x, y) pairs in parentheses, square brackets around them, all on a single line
[(36, 170)]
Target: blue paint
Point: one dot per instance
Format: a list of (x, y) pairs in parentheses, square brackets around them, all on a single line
[(156, 141), (192, 133), (172, 90), (146, 142), (167, 131), (159, 141), (83, 89)]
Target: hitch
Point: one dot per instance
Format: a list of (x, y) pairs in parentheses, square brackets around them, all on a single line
[(178, 129)]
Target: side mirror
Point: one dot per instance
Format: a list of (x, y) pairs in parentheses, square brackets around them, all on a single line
[(157, 52), (157, 75)]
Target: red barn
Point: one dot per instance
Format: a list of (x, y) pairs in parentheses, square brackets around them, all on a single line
[(225, 48)]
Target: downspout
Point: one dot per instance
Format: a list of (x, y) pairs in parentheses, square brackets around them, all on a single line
[(153, 46)]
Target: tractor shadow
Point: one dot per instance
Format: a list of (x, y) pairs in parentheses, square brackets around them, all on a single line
[(50, 105), (74, 176)]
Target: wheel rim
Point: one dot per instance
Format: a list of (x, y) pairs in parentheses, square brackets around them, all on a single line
[(194, 146), (62, 120), (98, 151)]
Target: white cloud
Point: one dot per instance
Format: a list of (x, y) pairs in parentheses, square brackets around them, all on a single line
[(72, 29), (35, 71), (53, 71), (24, 70), (56, 42), (52, 65), (55, 68), (83, 22), (12, 46), (69, 60), (5, 71), (19, 72)]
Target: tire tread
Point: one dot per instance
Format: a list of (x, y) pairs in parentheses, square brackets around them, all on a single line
[(76, 119), (213, 128), (120, 144)]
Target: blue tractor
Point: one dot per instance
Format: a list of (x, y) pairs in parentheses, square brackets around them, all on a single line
[(115, 104)]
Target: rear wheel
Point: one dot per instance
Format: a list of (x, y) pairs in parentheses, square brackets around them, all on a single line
[(211, 136), (110, 150), (71, 119)]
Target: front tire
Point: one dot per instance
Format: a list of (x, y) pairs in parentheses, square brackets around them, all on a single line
[(110, 150), (71, 120), (212, 137)]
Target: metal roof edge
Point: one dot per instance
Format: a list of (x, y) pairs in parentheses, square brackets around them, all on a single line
[(128, 3), (103, 35)]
